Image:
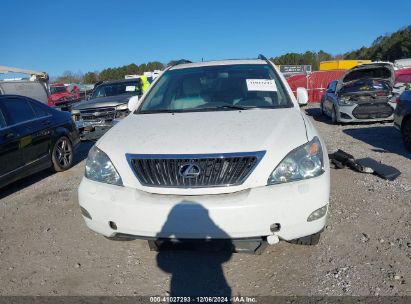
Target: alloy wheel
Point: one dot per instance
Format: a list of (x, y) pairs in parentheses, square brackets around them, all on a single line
[(63, 153)]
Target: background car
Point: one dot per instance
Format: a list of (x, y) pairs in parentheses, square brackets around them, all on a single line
[(402, 117), (33, 137), (362, 94), (402, 82), (32, 89), (61, 97), (108, 102)]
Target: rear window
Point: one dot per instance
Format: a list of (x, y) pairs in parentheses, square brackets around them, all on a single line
[(32, 89), (59, 89), (2, 120), (39, 109)]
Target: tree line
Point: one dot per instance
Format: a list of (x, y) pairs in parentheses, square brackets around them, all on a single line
[(388, 47)]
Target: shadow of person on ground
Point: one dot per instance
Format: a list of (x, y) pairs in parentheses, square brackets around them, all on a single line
[(384, 139), (195, 266)]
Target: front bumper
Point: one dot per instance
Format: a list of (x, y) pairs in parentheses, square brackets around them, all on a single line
[(345, 114), (91, 130), (243, 214)]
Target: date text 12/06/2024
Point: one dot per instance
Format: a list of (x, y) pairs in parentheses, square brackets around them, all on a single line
[(203, 299)]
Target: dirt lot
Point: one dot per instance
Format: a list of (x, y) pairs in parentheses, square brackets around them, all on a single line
[(46, 249)]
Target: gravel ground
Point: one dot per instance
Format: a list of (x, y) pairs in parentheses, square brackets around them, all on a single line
[(46, 249)]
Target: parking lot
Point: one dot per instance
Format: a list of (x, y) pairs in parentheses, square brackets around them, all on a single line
[(46, 249)]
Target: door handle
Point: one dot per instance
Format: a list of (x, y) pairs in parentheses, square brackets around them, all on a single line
[(9, 135), (46, 122)]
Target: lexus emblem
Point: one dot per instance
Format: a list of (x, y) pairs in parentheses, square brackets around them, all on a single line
[(189, 170)]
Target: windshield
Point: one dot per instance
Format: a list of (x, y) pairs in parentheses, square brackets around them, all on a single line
[(114, 89), (223, 87), (57, 90)]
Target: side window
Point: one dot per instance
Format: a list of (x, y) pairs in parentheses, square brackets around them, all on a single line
[(2, 120), (39, 110), (17, 110)]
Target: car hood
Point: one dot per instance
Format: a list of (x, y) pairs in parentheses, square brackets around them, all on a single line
[(382, 71), (109, 101), (275, 131)]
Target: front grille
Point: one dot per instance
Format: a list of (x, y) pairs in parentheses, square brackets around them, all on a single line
[(98, 114), (372, 110), (209, 170)]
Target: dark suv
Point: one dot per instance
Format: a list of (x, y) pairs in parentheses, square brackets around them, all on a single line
[(33, 137), (402, 117), (109, 101)]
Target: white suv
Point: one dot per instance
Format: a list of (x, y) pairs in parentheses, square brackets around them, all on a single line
[(213, 150)]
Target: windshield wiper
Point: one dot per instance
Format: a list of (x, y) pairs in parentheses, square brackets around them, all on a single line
[(232, 107)]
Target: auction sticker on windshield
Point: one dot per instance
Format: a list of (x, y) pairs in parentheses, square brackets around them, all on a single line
[(261, 85), (130, 88)]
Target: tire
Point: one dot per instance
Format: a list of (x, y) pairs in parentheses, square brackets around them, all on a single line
[(406, 134), (321, 108), (309, 240), (334, 116), (62, 154)]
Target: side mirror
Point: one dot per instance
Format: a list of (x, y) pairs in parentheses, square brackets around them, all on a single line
[(133, 103), (330, 91), (302, 96)]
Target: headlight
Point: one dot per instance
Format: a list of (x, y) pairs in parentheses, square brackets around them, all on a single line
[(122, 111), (75, 115), (100, 168), (122, 107), (301, 163), (345, 101)]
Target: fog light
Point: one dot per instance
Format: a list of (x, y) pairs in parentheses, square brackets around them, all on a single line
[(319, 213), (345, 116), (112, 225)]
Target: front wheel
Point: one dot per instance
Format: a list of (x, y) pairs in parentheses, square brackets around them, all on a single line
[(334, 115), (62, 154), (310, 240), (321, 108), (406, 134)]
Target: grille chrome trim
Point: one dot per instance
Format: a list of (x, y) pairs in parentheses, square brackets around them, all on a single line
[(96, 114), (161, 170)]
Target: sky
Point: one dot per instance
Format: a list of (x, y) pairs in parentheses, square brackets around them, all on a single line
[(88, 35)]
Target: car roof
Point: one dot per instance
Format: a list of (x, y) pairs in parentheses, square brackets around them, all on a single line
[(4, 96), (217, 63)]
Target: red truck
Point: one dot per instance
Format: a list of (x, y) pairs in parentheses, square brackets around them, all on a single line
[(60, 96)]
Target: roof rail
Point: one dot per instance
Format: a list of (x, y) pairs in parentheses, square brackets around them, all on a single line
[(262, 57), (181, 61)]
